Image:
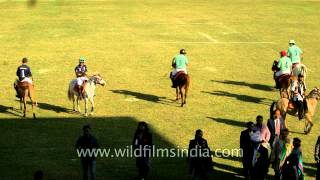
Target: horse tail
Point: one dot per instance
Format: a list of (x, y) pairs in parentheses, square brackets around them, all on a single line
[(69, 94), (272, 109)]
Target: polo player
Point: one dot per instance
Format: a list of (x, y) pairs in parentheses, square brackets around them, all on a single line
[(24, 75), (294, 53), (179, 64), (81, 74)]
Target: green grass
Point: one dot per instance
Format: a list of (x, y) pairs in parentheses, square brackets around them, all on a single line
[(131, 43)]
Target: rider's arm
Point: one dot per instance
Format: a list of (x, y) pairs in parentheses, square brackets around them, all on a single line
[(17, 73), (173, 64)]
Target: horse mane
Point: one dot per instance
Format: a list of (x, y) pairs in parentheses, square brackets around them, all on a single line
[(314, 94)]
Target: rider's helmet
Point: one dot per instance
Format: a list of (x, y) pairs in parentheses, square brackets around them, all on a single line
[(283, 53), (292, 42), (24, 60), (183, 51), (82, 59)]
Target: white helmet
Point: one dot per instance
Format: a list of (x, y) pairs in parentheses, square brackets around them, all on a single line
[(292, 41)]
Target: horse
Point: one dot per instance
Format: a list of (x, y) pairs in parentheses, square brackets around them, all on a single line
[(25, 90), (311, 101), (284, 81), (182, 82), (89, 92)]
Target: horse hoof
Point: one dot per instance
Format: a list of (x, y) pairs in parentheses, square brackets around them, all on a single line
[(34, 116)]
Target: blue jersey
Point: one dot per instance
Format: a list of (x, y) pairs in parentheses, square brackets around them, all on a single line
[(80, 70), (23, 71)]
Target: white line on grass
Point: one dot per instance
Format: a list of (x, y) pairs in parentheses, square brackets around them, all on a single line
[(207, 36), (206, 42)]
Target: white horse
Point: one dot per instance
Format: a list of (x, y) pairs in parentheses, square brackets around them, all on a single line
[(300, 69), (89, 92)]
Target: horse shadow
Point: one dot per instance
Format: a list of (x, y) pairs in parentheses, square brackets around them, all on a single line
[(51, 107), (9, 110), (241, 97), (143, 96), (228, 121), (250, 85), (55, 108)]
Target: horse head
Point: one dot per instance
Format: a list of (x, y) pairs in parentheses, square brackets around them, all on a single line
[(97, 79), (275, 66), (315, 93)]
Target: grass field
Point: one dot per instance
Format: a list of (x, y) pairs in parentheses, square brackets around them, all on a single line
[(231, 45)]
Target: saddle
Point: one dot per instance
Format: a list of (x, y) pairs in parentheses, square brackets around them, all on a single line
[(292, 106), (178, 75)]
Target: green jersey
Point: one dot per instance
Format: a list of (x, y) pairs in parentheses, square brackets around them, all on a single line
[(180, 61), (285, 64), (294, 52)]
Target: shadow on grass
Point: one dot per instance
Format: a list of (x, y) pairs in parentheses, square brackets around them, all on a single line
[(229, 122), (250, 85), (51, 107), (10, 111), (55, 108), (241, 97), (49, 144), (142, 96)]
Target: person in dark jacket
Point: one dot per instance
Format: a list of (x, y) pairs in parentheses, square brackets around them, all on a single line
[(247, 150), (87, 142), (142, 142), (275, 126), (199, 156), (317, 157)]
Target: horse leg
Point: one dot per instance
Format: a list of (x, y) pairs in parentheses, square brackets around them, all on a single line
[(308, 124), (24, 106), (21, 102), (85, 106), (78, 105), (177, 94), (92, 106), (73, 103), (33, 103), (181, 95), (185, 94)]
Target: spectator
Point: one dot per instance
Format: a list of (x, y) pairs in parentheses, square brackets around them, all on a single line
[(247, 150), (142, 142), (84, 143), (275, 125), (260, 138), (293, 166), (200, 161), (38, 175), (281, 150)]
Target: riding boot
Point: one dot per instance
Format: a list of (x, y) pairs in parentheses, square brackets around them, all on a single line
[(301, 110)]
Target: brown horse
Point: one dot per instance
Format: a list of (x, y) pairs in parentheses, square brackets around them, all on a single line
[(311, 101), (25, 90), (182, 82)]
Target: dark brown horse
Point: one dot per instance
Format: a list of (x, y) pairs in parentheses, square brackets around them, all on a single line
[(25, 90), (182, 82)]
